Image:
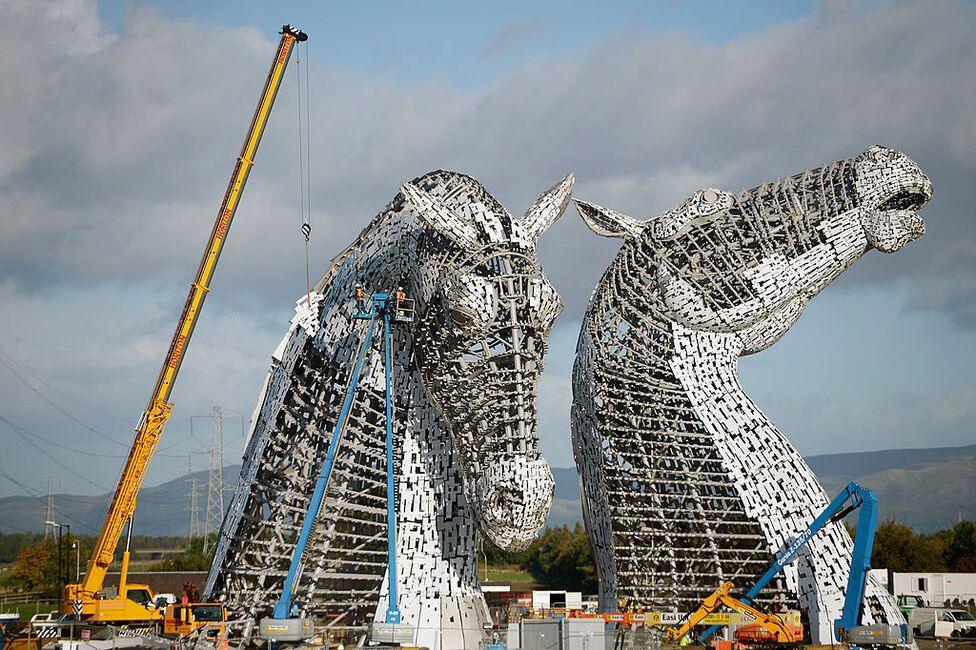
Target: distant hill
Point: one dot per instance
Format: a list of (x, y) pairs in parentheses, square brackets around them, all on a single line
[(927, 489), (866, 463), (163, 509)]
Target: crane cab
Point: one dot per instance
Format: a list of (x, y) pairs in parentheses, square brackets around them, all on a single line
[(183, 618), (124, 604)]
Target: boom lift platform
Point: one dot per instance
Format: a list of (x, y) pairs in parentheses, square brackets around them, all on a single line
[(847, 628), (286, 623), (88, 600)]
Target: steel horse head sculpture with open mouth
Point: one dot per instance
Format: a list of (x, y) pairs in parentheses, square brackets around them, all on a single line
[(686, 483)]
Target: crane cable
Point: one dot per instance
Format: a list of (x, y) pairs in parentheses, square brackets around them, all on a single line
[(304, 170)]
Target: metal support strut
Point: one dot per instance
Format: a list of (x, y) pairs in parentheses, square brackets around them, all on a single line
[(285, 606)]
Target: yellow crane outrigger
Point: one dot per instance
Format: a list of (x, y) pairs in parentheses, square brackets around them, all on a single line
[(133, 603)]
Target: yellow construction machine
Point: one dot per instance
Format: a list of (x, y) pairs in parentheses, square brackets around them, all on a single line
[(89, 600), (181, 619), (779, 631)]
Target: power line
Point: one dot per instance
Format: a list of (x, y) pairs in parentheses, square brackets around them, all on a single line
[(38, 436), (26, 438), (31, 492), (74, 450), (16, 529), (6, 360), (55, 405), (60, 392)]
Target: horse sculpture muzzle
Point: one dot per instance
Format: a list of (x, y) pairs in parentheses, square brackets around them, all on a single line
[(892, 189)]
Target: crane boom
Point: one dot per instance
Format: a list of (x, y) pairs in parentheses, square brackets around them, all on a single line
[(157, 412)]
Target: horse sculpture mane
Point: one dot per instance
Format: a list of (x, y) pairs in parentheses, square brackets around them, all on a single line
[(467, 456), (685, 483)]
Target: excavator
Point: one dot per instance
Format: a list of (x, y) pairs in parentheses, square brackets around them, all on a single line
[(777, 629), (89, 600)]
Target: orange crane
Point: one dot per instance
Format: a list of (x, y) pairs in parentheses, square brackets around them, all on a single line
[(133, 603), (779, 631)]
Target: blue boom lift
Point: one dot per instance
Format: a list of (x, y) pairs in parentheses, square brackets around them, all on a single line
[(847, 628), (285, 623)]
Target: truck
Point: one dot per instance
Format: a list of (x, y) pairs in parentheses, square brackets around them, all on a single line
[(181, 619)]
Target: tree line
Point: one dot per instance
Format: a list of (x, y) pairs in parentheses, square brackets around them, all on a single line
[(12, 543), (900, 549), (561, 557), (29, 561)]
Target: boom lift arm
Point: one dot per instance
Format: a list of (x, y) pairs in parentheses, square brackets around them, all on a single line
[(284, 625), (157, 413), (853, 496)]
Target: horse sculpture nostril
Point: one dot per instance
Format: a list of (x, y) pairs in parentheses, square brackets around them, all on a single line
[(889, 231)]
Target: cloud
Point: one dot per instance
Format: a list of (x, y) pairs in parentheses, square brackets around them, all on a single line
[(116, 160), (117, 145), (515, 33), (954, 409)]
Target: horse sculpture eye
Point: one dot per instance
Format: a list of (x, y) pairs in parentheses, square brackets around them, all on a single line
[(460, 317)]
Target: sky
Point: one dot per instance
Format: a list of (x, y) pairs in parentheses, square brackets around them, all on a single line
[(122, 121)]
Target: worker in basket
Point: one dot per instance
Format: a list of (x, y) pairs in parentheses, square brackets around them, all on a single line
[(399, 296), (360, 298)]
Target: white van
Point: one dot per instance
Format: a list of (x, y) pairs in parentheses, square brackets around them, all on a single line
[(923, 621)]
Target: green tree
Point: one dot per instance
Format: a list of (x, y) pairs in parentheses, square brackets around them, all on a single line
[(36, 568), (960, 549), (562, 557), (192, 559), (898, 548)]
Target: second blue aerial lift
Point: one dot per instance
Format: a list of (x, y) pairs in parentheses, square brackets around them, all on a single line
[(286, 624), (847, 628)]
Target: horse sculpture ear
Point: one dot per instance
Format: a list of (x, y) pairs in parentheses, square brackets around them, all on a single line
[(548, 207), (606, 222), (436, 214)]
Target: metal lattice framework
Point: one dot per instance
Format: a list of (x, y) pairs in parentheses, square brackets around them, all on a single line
[(685, 482), (467, 455)]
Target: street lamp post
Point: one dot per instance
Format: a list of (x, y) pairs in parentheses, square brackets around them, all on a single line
[(67, 557), (77, 548), (53, 523)]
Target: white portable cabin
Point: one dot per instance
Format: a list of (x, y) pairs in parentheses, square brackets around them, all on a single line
[(936, 588), (557, 600)]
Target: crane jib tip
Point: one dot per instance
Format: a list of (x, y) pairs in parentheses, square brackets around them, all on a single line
[(299, 35)]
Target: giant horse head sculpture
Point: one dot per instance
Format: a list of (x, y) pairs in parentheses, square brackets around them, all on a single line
[(685, 481), (485, 311), (749, 262), (465, 373)]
